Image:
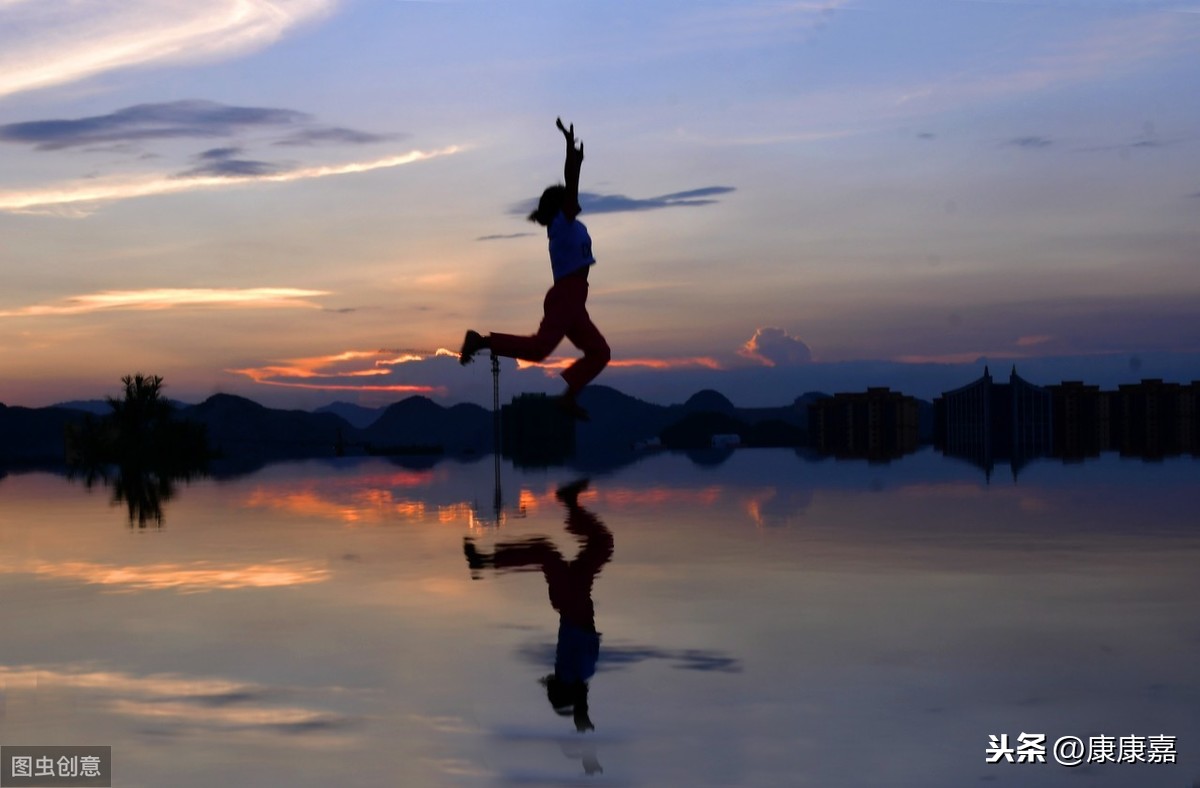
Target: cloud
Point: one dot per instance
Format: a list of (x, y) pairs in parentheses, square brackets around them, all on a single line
[(556, 363), (336, 135), (1118, 43), (619, 203), (215, 154), (45, 44), (184, 704), (186, 578), (1125, 148), (185, 119), (503, 237), (347, 371), (223, 163), (78, 195), (775, 347), (168, 298), (1031, 142)]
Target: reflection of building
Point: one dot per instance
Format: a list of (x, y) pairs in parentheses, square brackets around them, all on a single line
[(878, 424), (1148, 419), (1155, 419), (1082, 417), (986, 421), (536, 432)]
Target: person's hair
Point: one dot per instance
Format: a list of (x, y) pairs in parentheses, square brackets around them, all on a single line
[(569, 699), (549, 205)]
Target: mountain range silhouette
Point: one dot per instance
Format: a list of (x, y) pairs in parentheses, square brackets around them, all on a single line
[(243, 430)]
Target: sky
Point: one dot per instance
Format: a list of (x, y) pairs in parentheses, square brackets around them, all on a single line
[(302, 201)]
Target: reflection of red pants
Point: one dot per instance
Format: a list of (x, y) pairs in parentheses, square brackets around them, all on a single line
[(569, 582), (565, 315)]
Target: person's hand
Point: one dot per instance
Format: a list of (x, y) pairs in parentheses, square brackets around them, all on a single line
[(569, 133)]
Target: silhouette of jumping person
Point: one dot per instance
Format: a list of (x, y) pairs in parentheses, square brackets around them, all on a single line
[(570, 586), (565, 306)]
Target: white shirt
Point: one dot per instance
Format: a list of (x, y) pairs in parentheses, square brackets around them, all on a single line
[(570, 246)]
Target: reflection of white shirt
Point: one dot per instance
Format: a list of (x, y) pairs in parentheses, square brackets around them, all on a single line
[(570, 246)]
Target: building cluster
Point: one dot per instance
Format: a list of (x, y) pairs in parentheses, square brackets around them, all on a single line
[(1148, 419), (1013, 421), (878, 424), (986, 421)]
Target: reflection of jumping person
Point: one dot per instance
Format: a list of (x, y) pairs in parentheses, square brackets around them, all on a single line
[(565, 306), (570, 585)]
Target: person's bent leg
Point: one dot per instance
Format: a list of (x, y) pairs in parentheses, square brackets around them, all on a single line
[(556, 317), (596, 354)]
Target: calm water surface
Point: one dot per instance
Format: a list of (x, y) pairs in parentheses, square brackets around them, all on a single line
[(766, 621)]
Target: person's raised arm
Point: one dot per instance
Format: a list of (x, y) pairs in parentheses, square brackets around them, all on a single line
[(571, 170)]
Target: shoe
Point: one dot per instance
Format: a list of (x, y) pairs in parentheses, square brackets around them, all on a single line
[(475, 560), (567, 404), (473, 342)]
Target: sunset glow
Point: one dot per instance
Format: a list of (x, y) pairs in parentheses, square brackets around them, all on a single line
[(782, 198), (188, 578), (86, 193), (168, 298)]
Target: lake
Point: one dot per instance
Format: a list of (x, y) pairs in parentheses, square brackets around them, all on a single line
[(765, 619)]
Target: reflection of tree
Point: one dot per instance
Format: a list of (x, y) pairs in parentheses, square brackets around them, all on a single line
[(142, 490), (138, 449)]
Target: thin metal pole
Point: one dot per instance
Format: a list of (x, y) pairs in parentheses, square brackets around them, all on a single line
[(497, 498)]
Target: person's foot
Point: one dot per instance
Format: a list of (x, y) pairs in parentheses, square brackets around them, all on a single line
[(569, 493), (473, 342), (567, 404)]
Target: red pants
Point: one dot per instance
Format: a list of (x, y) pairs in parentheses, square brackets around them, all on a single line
[(565, 315)]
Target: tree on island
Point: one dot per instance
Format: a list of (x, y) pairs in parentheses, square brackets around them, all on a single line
[(142, 444)]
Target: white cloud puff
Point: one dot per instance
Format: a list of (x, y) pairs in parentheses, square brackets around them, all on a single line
[(775, 347), (44, 44)]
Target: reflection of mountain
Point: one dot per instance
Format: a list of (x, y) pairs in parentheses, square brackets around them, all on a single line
[(35, 434), (619, 421)]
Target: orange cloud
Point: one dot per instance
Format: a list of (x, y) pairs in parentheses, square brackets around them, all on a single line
[(773, 346), (360, 507), (191, 577), (79, 194), (168, 298), (556, 363), (339, 371)]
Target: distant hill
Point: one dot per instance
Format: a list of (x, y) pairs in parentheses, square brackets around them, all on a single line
[(619, 421), (100, 407), (419, 421), (97, 407), (238, 427), (244, 431), (35, 434), (356, 415), (708, 401)]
